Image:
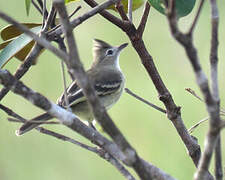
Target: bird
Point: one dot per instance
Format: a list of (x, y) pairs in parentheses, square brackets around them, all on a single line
[(108, 81)]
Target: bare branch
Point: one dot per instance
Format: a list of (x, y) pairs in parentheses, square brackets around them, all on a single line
[(36, 6), (191, 91), (214, 80), (144, 19), (144, 101), (38, 122), (218, 161), (202, 81), (116, 21), (130, 4), (192, 128), (214, 50), (77, 21), (121, 11), (196, 17)]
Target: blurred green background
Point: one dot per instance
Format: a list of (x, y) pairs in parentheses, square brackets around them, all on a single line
[(36, 156)]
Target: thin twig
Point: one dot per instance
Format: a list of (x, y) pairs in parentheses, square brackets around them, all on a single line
[(196, 17), (40, 2), (49, 19), (120, 9), (191, 91), (74, 12), (144, 19), (64, 85), (192, 128), (44, 16), (36, 6), (38, 122), (144, 101), (129, 10)]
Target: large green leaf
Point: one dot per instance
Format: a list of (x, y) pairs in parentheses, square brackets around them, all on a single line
[(15, 46), (12, 31), (183, 7)]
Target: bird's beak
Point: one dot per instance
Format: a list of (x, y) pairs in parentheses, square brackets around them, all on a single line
[(122, 46)]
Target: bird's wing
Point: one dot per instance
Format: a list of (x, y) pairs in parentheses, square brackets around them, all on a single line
[(74, 95), (103, 85)]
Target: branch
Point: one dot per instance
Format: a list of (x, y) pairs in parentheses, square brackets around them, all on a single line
[(24, 67), (145, 101), (214, 80), (41, 41), (71, 121), (190, 32), (121, 11), (77, 21), (130, 4), (36, 6), (144, 19), (202, 81)]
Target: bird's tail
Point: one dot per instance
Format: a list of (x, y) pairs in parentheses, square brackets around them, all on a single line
[(33, 123)]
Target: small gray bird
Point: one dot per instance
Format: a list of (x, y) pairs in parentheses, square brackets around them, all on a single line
[(108, 81)]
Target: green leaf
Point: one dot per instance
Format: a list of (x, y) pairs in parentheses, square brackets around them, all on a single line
[(12, 31), (15, 46), (27, 3), (183, 7), (67, 1)]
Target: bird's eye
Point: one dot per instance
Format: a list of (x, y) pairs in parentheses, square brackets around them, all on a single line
[(109, 52)]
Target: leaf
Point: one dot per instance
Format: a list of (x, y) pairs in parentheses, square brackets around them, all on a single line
[(67, 1), (27, 3), (12, 31), (183, 7), (16, 45)]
